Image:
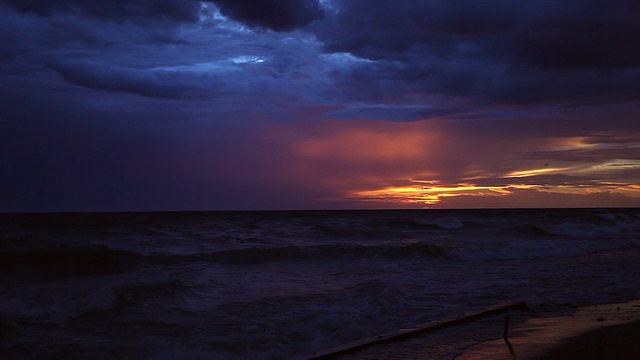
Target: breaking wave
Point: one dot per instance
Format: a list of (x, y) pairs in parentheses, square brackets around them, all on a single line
[(577, 230)]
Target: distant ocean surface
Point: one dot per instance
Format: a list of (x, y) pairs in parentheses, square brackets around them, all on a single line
[(278, 285)]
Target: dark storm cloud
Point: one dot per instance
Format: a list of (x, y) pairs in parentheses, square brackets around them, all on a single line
[(278, 15), (581, 34), (394, 29), (600, 34), (118, 10), (150, 83), (490, 52)]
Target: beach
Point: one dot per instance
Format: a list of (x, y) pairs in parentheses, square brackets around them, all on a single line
[(607, 331), (600, 332), (615, 342)]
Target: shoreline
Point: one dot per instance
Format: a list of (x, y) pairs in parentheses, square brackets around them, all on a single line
[(605, 331), (596, 332)]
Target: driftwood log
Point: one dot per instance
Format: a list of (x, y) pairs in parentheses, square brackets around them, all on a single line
[(417, 330)]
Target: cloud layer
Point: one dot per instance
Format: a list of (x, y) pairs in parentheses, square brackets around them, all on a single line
[(492, 52), (114, 10), (278, 15), (125, 105)]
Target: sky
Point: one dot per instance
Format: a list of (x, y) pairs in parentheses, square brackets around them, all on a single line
[(146, 105)]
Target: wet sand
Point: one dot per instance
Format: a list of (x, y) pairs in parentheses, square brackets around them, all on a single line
[(603, 332), (613, 342)]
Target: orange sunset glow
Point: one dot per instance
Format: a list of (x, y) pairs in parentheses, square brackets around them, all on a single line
[(434, 195), (435, 163)]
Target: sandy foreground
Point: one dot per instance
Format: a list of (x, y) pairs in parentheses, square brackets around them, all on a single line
[(602, 332)]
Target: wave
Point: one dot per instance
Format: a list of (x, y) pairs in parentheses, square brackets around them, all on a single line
[(141, 293), (332, 252), (577, 230), (65, 261), (602, 225), (579, 225), (447, 223), (354, 231), (91, 261)]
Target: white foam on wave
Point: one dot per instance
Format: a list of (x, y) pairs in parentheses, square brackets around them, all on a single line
[(630, 226), (608, 216), (578, 230)]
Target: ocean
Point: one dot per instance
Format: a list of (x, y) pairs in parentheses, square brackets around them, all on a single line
[(285, 284)]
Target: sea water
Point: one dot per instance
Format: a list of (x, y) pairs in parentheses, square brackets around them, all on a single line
[(278, 285)]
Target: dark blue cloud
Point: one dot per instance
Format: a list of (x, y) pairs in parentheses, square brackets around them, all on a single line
[(489, 52), (279, 15), (578, 33), (145, 82), (116, 10)]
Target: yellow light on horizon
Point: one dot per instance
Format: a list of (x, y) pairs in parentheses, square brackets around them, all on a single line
[(433, 194), (534, 172), (572, 143)]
